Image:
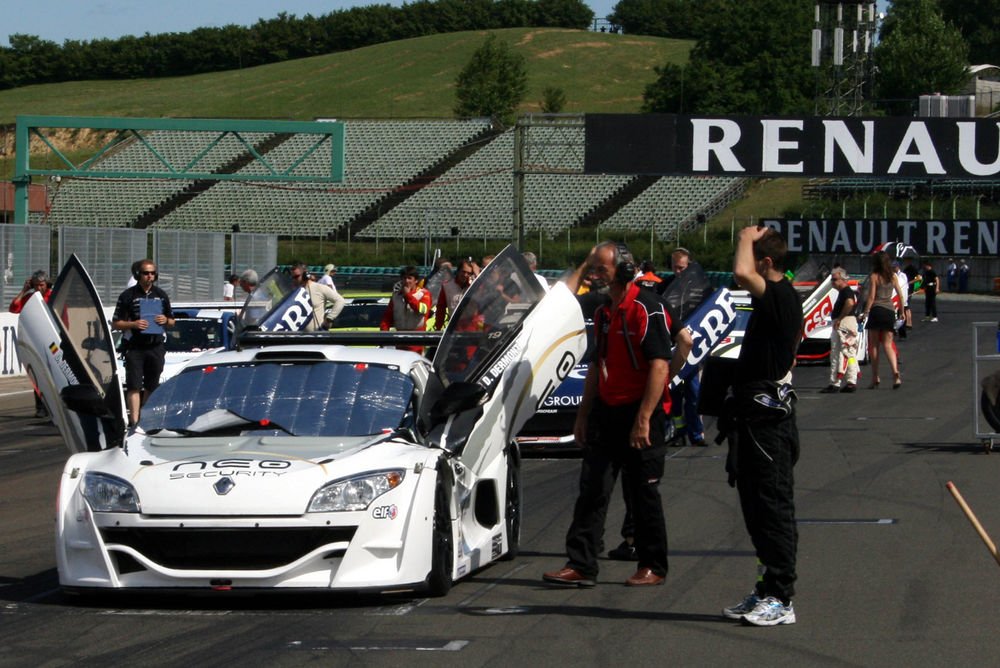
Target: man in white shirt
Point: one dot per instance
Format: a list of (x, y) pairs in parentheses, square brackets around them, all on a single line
[(329, 271)]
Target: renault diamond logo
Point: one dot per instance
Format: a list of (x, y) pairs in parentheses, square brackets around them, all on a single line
[(224, 486)]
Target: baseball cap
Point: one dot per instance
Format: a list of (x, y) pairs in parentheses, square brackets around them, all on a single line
[(329, 269)]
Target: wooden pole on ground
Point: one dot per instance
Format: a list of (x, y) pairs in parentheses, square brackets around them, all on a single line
[(975, 522)]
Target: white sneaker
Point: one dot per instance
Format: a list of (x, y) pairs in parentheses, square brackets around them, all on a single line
[(934, 319), (770, 612), (743, 607)]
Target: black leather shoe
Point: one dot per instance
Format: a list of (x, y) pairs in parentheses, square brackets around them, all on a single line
[(829, 389), (624, 552), (569, 576), (850, 387)]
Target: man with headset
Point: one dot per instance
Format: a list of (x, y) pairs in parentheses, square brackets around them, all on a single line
[(620, 423), (142, 312)]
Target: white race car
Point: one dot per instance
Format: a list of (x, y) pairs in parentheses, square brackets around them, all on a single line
[(296, 463)]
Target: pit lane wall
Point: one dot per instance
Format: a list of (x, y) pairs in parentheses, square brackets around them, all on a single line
[(9, 364)]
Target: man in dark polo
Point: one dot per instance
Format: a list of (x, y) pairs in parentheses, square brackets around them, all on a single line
[(142, 312)]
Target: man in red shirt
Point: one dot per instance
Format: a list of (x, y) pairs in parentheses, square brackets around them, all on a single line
[(620, 425), (409, 307), (38, 282)]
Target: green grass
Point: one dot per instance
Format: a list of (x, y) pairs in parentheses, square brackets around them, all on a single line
[(600, 72)]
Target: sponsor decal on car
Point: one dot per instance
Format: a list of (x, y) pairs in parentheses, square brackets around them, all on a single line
[(230, 467), (497, 545), (385, 512)]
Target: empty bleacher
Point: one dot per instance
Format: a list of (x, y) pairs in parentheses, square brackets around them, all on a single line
[(674, 202), (409, 179)]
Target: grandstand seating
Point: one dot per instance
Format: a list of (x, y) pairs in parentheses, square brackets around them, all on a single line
[(455, 174), (673, 202)]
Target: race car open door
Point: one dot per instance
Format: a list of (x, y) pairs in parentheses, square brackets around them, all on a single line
[(507, 347), (275, 305), (67, 350)]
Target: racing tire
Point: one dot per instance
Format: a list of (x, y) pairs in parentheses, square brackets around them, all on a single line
[(513, 504), (990, 411), (442, 545)]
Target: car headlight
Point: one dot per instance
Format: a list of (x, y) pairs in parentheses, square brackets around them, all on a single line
[(354, 493), (109, 494)]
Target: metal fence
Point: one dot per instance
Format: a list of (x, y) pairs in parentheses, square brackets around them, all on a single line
[(26, 249), (254, 251), (107, 254), (191, 264)]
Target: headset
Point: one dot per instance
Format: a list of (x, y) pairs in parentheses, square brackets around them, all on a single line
[(625, 264)]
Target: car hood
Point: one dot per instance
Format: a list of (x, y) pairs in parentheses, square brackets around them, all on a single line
[(267, 476)]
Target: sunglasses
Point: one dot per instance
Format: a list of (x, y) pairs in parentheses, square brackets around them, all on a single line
[(149, 273)]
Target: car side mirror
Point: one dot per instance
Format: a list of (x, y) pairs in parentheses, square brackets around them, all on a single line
[(84, 399), (457, 397)]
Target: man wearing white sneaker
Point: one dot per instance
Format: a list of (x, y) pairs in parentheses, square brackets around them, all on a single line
[(766, 438)]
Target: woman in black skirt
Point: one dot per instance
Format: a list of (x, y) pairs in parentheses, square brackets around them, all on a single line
[(881, 313)]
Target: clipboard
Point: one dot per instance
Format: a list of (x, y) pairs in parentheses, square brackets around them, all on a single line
[(148, 310)]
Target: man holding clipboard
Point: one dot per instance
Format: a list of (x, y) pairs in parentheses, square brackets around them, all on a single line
[(142, 312)]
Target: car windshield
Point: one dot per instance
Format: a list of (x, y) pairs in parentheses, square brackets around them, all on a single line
[(193, 334), (281, 398)]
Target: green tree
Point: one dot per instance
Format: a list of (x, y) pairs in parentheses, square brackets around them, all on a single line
[(492, 83), (752, 58), (563, 14), (553, 100), (918, 54), (660, 18), (979, 23)]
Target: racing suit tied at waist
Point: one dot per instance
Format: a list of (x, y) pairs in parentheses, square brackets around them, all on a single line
[(756, 402)]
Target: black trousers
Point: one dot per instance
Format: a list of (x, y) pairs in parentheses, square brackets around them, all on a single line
[(930, 302), (608, 453), (767, 453)]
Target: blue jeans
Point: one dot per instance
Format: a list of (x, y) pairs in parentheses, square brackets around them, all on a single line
[(684, 405)]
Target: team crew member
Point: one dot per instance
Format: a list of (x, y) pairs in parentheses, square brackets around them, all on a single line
[(844, 337), (409, 306), (767, 438), (453, 291), (620, 425), (37, 282), (142, 312), (326, 302)]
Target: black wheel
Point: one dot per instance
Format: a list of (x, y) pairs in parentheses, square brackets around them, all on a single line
[(512, 509), (442, 549), (990, 410)]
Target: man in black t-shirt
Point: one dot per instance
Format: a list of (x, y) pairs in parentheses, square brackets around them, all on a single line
[(142, 312), (767, 441)]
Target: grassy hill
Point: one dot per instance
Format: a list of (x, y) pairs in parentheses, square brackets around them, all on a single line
[(599, 72)]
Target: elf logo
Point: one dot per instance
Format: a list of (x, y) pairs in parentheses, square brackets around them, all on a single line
[(385, 512)]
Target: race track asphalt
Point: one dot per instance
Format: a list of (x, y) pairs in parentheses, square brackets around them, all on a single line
[(891, 572)]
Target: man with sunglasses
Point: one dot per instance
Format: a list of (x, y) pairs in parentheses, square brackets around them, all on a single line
[(325, 300), (142, 312)]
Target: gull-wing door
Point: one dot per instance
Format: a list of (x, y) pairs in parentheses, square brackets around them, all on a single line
[(508, 346), (67, 350), (276, 305)]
